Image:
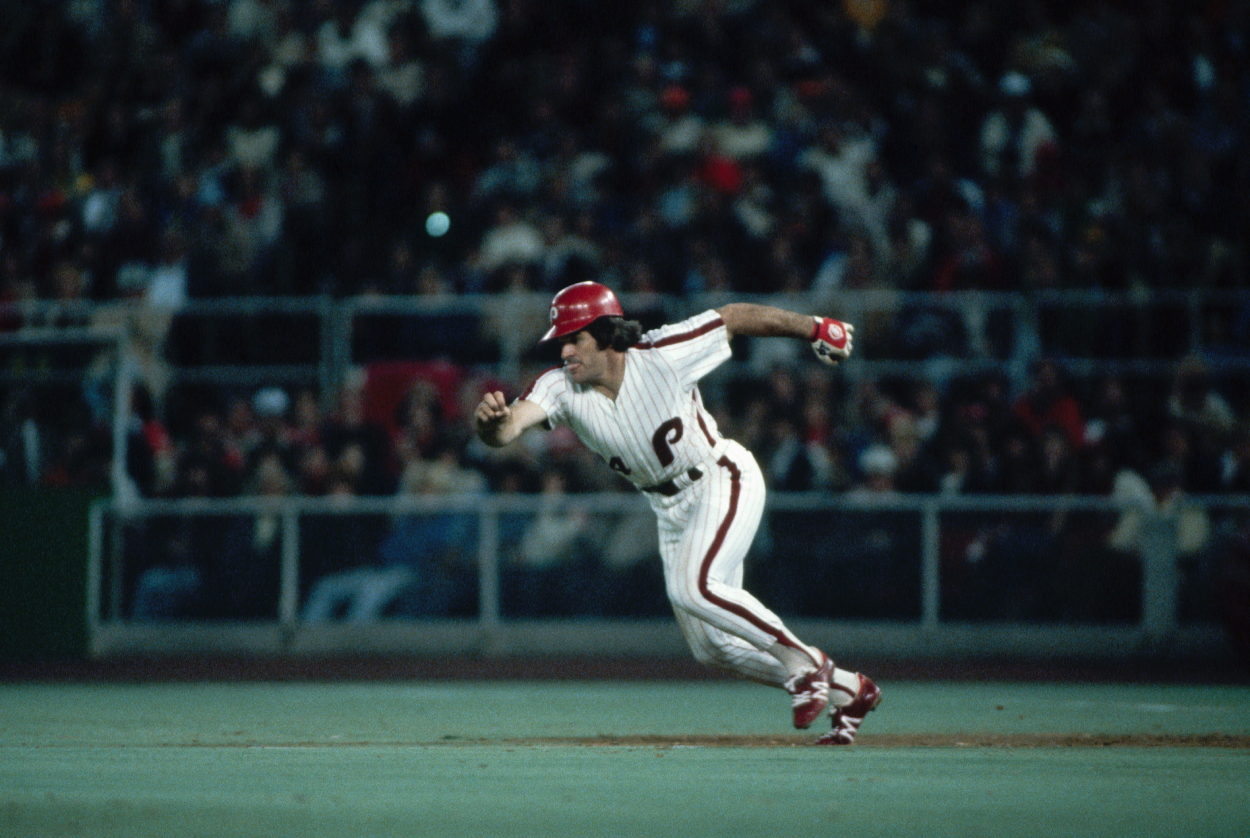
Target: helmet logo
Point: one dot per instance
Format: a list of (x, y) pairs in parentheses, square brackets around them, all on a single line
[(554, 311)]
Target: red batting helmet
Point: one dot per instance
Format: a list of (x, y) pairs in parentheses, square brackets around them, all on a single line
[(577, 306)]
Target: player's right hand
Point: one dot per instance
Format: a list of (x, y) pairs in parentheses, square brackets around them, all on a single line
[(491, 410)]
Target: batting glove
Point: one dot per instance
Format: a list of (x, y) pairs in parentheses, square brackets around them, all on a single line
[(831, 340)]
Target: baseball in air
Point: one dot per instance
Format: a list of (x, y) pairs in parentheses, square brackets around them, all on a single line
[(437, 224)]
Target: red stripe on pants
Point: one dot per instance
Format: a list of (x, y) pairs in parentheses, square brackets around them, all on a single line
[(735, 475)]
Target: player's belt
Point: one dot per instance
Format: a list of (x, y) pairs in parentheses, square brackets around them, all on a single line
[(669, 487)]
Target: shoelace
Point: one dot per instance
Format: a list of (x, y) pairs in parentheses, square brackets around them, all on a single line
[(817, 691), (845, 722)]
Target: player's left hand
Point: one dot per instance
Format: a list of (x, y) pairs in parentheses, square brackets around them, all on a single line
[(832, 340)]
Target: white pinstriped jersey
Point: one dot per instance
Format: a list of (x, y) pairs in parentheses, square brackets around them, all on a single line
[(655, 430), (656, 427)]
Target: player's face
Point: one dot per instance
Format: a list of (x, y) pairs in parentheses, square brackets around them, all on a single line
[(584, 361)]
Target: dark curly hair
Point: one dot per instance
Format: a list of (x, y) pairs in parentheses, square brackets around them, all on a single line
[(615, 332)]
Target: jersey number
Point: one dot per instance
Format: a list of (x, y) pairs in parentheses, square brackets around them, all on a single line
[(668, 433)]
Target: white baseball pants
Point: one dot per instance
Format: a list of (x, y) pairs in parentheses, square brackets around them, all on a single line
[(705, 532)]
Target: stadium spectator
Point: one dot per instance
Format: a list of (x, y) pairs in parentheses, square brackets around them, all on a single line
[(1235, 464), (1017, 135), (252, 141), (241, 579), (435, 547), (553, 568), (743, 134), (211, 459), (877, 466), (1048, 402), (339, 561), (357, 444), (1196, 405), (512, 240), (174, 554), (673, 149)]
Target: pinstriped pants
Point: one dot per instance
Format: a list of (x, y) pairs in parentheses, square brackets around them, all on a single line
[(705, 532)]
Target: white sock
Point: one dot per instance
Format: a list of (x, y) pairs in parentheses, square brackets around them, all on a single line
[(796, 661), (845, 686)]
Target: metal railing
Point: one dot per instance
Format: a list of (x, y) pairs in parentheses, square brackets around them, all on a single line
[(892, 575), (258, 341), (314, 340)]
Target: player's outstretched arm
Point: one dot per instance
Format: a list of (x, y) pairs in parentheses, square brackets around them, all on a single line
[(830, 338), (497, 423)]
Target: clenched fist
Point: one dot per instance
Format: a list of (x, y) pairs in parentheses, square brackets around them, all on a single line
[(491, 411), (832, 340)]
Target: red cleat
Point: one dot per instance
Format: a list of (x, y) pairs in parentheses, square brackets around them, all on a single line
[(847, 718), (811, 693)]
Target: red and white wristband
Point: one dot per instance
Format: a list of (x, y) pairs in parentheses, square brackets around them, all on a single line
[(830, 331)]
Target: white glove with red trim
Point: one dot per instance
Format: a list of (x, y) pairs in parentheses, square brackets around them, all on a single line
[(831, 340)]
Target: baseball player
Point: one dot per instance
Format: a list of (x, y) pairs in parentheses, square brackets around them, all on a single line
[(633, 398)]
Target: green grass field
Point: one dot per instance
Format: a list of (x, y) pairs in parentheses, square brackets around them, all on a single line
[(665, 759)]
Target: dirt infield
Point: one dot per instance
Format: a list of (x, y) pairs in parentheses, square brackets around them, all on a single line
[(909, 740), (880, 740), (662, 742)]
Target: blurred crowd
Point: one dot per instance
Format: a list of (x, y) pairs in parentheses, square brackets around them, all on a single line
[(406, 430), (199, 148), (402, 432), (157, 152)]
